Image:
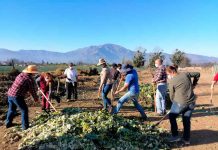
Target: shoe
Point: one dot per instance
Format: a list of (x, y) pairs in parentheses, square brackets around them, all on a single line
[(186, 142), (68, 100), (145, 118), (174, 139), (9, 125), (110, 109)]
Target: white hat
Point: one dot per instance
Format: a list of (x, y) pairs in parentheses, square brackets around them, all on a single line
[(101, 61)]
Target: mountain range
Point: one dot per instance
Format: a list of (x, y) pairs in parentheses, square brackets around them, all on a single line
[(91, 54)]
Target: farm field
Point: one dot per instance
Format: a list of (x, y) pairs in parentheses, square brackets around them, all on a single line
[(204, 121)]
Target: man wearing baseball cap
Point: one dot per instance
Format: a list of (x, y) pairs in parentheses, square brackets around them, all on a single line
[(131, 83), (23, 83)]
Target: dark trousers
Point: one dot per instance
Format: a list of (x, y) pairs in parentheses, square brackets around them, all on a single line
[(71, 88), (186, 118), (19, 102)]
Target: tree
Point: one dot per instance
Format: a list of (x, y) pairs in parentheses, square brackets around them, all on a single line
[(139, 57), (157, 54), (178, 57), (186, 62)]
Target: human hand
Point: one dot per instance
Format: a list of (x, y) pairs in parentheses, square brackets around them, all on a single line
[(117, 92)]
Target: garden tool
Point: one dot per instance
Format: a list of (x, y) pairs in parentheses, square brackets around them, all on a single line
[(156, 124), (48, 100)]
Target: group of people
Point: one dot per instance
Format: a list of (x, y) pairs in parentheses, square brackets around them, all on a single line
[(29, 80), (180, 85)]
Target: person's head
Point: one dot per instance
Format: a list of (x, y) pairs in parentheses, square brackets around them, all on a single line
[(171, 71), (31, 70), (71, 65), (47, 76), (114, 66), (102, 62), (119, 66), (126, 69), (158, 62)]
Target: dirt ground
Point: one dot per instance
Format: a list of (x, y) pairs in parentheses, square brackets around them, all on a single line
[(204, 134)]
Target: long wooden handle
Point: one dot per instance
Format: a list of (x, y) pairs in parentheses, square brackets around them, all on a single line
[(58, 87), (211, 97), (48, 101), (154, 91)]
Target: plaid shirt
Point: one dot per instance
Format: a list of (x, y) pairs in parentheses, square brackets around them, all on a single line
[(23, 84), (160, 75)]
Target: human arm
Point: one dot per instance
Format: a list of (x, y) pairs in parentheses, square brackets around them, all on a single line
[(128, 80), (158, 77), (171, 91), (195, 76), (32, 89), (38, 82)]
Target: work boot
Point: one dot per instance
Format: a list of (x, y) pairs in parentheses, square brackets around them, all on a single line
[(174, 139)]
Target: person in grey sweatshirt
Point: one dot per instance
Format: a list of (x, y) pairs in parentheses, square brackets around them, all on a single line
[(183, 101)]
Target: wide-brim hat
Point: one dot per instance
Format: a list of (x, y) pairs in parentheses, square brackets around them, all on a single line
[(101, 61), (31, 69)]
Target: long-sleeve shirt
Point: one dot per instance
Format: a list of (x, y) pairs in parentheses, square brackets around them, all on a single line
[(23, 83), (160, 74), (43, 85), (181, 87)]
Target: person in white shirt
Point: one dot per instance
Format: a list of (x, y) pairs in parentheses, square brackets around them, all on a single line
[(71, 82)]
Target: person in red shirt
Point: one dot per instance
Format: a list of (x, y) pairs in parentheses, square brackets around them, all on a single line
[(23, 83), (44, 82), (215, 79)]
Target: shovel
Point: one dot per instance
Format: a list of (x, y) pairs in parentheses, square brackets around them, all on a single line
[(156, 124), (48, 101)]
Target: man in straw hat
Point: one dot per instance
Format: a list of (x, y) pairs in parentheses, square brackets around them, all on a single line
[(23, 83), (105, 84)]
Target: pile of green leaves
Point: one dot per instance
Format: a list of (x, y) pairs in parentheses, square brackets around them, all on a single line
[(147, 94), (76, 129)]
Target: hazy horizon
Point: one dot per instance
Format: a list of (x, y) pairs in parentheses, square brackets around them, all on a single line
[(63, 25)]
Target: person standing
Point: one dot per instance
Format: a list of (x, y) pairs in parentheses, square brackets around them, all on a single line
[(44, 83), (215, 79), (71, 82), (183, 101), (160, 79), (132, 84), (115, 75), (23, 83), (105, 84)]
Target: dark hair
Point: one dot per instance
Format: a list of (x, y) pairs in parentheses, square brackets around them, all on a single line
[(119, 65), (171, 69), (114, 65)]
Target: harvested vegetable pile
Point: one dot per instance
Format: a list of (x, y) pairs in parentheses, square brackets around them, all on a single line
[(77, 129)]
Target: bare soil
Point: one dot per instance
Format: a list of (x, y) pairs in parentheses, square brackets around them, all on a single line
[(204, 134)]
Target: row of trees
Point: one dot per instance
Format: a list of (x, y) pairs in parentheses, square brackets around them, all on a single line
[(177, 58)]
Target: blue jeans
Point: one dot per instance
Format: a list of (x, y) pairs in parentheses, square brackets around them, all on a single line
[(19, 102), (161, 97), (186, 112), (106, 89), (125, 98)]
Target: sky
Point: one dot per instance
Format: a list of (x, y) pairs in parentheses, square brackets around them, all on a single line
[(65, 25)]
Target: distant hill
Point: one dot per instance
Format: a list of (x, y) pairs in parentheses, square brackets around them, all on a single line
[(91, 54)]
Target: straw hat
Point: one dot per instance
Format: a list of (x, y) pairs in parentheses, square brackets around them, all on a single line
[(31, 69), (101, 61)]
